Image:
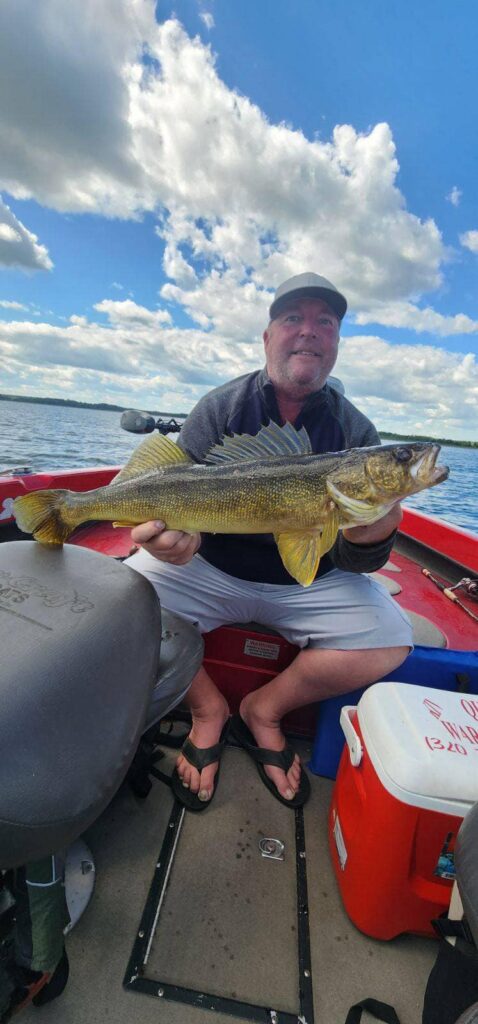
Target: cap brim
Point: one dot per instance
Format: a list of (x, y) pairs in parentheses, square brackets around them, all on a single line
[(335, 300)]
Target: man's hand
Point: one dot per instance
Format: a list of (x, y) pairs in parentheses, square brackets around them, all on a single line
[(376, 531), (167, 545)]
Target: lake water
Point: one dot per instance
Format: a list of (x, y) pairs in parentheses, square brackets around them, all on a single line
[(45, 437)]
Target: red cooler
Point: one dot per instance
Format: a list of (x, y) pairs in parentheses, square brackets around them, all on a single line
[(407, 777)]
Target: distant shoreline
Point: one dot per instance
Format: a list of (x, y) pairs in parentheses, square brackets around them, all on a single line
[(102, 406), (182, 415)]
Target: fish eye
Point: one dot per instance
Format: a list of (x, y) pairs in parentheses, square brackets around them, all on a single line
[(403, 455)]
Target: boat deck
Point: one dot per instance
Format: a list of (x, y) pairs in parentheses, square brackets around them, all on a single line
[(228, 924)]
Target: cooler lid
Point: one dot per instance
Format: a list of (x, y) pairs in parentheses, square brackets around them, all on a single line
[(423, 744)]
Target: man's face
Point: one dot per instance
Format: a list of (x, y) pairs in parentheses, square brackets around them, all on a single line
[(301, 346)]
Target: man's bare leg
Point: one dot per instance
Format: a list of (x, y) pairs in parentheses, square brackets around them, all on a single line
[(209, 710), (313, 675)]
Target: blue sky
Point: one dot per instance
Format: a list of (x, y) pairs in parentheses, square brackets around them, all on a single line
[(165, 167)]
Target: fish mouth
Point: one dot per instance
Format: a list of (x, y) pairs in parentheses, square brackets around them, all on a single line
[(426, 471)]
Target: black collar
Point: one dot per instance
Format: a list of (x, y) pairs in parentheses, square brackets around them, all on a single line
[(313, 402)]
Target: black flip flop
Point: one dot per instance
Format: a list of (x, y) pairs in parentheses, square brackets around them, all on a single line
[(199, 757), (279, 758)]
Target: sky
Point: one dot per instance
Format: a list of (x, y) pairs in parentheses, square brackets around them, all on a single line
[(164, 167)]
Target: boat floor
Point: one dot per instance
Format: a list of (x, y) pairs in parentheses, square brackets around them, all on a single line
[(228, 924)]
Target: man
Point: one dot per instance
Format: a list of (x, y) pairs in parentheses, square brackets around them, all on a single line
[(350, 631)]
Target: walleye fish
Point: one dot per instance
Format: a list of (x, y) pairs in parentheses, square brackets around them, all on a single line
[(270, 483)]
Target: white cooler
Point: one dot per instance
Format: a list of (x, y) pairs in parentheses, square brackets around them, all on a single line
[(407, 777)]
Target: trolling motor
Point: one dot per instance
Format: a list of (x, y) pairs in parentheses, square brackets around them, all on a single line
[(143, 423)]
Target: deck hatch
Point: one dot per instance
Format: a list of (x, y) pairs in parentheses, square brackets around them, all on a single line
[(152, 968)]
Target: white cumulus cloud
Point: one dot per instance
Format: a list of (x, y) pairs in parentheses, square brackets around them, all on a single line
[(129, 312), (138, 358), (411, 387), (454, 197), (470, 240), (207, 18), (143, 122), (118, 116), (20, 248), (420, 320)]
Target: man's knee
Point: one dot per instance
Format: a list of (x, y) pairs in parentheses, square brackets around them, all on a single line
[(388, 658), (337, 671)]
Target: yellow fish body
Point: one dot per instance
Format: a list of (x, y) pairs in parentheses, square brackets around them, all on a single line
[(271, 483)]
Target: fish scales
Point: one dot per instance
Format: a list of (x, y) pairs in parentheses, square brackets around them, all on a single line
[(272, 483), (251, 498)]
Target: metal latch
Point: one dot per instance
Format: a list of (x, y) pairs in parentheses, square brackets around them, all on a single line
[(272, 848)]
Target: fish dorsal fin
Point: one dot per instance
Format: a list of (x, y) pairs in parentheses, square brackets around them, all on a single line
[(301, 550), (152, 453), (362, 511), (271, 440)]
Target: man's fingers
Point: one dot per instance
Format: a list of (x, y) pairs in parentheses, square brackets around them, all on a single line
[(173, 540), (182, 549), (167, 545), (146, 531)]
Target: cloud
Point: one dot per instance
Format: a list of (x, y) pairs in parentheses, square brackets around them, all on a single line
[(454, 197), (143, 122), (67, 141), (408, 315), (19, 248), (207, 18), (6, 304), (470, 240), (421, 388), (128, 312), (137, 344), (140, 359)]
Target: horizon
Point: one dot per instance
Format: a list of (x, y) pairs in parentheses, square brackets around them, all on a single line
[(155, 191), (107, 407)]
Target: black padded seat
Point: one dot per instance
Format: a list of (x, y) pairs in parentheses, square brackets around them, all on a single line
[(466, 861), (79, 637), (467, 877)]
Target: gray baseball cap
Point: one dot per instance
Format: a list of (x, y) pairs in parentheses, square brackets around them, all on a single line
[(308, 285)]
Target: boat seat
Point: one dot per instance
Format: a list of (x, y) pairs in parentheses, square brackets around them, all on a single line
[(467, 868), (80, 638), (425, 632), (452, 977), (391, 585)]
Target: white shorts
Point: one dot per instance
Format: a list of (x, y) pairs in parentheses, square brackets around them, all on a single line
[(342, 610)]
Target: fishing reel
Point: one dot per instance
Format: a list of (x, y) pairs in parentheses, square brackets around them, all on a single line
[(466, 584), (143, 423), (469, 586)]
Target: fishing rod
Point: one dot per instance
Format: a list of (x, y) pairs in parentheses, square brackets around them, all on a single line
[(467, 584)]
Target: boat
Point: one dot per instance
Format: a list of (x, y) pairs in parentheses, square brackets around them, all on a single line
[(236, 912)]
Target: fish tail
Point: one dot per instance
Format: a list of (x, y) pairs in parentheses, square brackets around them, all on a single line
[(42, 513)]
